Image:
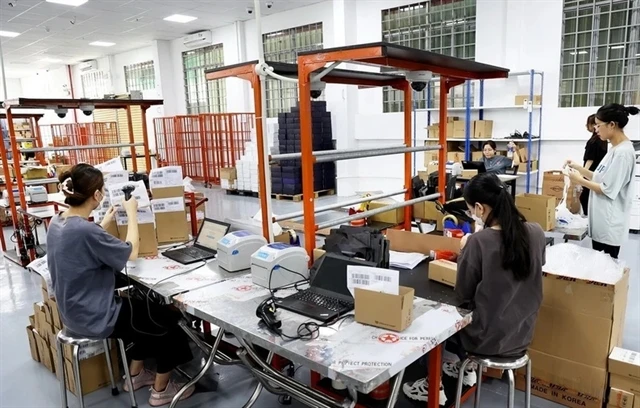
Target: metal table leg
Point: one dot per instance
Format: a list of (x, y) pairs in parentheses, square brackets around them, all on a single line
[(198, 376), (396, 390), (258, 390)]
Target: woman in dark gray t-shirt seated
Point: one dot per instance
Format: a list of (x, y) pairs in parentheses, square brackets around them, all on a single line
[(83, 260), (496, 163), (499, 278)]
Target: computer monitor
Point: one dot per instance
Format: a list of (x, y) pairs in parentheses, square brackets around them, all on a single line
[(331, 274), (210, 233), (474, 165)]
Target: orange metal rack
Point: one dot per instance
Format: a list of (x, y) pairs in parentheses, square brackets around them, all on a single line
[(25, 256)]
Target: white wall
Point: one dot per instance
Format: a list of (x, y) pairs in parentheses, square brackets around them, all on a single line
[(14, 88)]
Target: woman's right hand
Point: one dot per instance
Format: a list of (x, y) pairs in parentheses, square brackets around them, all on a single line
[(571, 164), (131, 206)]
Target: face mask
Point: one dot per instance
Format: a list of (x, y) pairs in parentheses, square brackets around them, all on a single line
[(477, 220)]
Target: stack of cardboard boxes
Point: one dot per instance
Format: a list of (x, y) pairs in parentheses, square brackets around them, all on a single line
[(42, 330), (553, 185), (228, 177), (624, 379), (456, 129), (247, 168), (536, 208)]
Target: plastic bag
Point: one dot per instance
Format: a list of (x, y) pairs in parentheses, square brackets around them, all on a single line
[(564, 218)]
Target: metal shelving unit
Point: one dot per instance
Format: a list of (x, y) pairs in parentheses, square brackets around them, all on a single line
[(27, 253), (534, 139)]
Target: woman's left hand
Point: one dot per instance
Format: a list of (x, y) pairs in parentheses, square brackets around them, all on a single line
[(108, 217), (575, 176)]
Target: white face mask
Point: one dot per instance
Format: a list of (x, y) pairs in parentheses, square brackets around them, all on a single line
[(477, 220)]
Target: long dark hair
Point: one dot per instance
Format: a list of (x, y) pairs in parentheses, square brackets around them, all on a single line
[(80, 184), (616, 113), (591, 122), (487, 189)]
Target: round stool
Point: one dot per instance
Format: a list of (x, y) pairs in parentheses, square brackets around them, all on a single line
[(63, 339), (499, 363)]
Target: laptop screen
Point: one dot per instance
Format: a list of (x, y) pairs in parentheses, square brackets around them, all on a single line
[(332, 273), (210, 233)]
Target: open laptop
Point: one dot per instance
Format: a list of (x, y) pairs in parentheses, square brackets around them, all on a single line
[(205, 246), (474, 165), (328, 296)]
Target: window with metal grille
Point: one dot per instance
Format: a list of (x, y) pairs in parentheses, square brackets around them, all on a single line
[(600, 60), (284, 46), (140, 77), (96, 84), (443, 26), (204, 96)]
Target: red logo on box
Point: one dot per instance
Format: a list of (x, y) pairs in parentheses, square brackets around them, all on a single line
[(388, 338), (172, 267), (245, 288)]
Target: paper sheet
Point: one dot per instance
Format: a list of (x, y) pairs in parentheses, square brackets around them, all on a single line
[(140, 193), (167, 205), (116, 177), (170, 176), (377, 279), (405, 260), (110, 166), (145, 216)]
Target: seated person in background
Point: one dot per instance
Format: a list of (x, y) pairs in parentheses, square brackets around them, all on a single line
[(83, 260), (499, 278), (495, 163)]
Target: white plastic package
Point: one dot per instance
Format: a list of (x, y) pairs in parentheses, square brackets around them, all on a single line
[(578, 262), (564, 218)]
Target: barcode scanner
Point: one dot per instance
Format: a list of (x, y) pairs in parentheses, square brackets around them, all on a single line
[(127, 190)]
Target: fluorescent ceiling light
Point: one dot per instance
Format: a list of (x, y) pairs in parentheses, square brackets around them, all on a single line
[(102, 44), (73, 3), (10, 34), (179, 18)]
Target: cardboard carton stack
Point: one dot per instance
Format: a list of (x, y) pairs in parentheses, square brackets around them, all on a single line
[(286, 177), (624, 379), (536, 208), (580, 323), (168, 205), (247, 167), (42, 330), (521, 100), (228, 176)]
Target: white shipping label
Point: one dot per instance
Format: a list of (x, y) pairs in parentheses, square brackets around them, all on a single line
[(140, 193), (170, 176), (145, 216), (110, 166), (376, 279), (166, 205), (116, 178)]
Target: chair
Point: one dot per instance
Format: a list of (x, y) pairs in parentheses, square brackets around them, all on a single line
[(500, 363), (63, 339)]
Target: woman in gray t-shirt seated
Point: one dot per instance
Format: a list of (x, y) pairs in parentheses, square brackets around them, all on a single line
[(495, 163), (499, 278), (83, 260)]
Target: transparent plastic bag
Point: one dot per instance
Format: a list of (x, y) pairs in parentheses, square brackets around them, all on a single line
[(564, 218), (578, 262)]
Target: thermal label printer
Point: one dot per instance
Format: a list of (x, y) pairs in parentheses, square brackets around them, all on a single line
[(235, 250), (285, 263)]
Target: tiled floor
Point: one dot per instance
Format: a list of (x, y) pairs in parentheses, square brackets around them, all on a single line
[(26, 384)]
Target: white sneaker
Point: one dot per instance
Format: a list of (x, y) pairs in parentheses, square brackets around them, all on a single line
[(419, 391), (453, 370)]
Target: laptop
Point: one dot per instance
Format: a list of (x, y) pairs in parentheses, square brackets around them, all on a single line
[(328, 296), (205, 246), (474, 165)]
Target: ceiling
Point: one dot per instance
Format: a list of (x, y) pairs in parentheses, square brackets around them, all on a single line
[(55, 31)]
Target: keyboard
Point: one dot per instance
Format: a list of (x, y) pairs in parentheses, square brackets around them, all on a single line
[(327, 302), (196, 252)]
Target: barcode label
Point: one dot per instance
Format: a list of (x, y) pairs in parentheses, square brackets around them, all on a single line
[(159, 207), (381, 278), (172, 171), (360, 276), (363, 282)]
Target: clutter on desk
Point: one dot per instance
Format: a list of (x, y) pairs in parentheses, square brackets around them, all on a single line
[(235, 250), (581, 319), (443, 271), (359, 242), (44, 325), (405, 260), (278, 265)]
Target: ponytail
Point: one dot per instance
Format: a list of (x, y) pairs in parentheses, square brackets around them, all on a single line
[(487, 189)]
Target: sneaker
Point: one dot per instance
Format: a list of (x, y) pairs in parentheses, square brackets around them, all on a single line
[(144, 379), (453, 370), (159, 398), (419, 391)]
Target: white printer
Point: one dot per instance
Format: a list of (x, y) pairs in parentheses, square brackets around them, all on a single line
[(285, 263), (235, 250), (37, 194)]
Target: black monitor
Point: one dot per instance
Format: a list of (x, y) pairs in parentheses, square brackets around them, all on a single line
[(474, 165), (331, 272)]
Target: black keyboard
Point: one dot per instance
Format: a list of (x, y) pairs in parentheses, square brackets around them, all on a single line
[(327, 302), (196, 252)]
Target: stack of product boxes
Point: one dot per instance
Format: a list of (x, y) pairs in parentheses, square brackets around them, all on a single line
[(42, 330), (286, 178), (624, 379), (247, 168)]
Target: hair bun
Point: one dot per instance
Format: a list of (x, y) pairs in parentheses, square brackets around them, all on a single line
[(631, 110)]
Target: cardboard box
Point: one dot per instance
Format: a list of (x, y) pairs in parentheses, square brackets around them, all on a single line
[(625, 363), (532, 165), (228, 173), (148, 240), (493, 373), (469, 174), (477, 156), (443, 271), (55, 314), (433, 131), (451, 119), (392, 312), (407, 241), (318, 253), (39, 315), (32, 173), (427, 211), (522, 99), (94, 373), (44, 351), (459, 128), (626, 384), (392, 216), (170, 217), (32, 320), (33, 345), (482, 129), (61, 168), (430, 155), (538, 208), (620, 398)]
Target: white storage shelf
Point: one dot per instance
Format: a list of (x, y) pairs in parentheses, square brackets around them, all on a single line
[(477, 108)]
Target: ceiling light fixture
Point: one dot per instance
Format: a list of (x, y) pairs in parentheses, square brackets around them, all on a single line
[(72, 3), (102, 44), (9, 34), (179, 18)]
